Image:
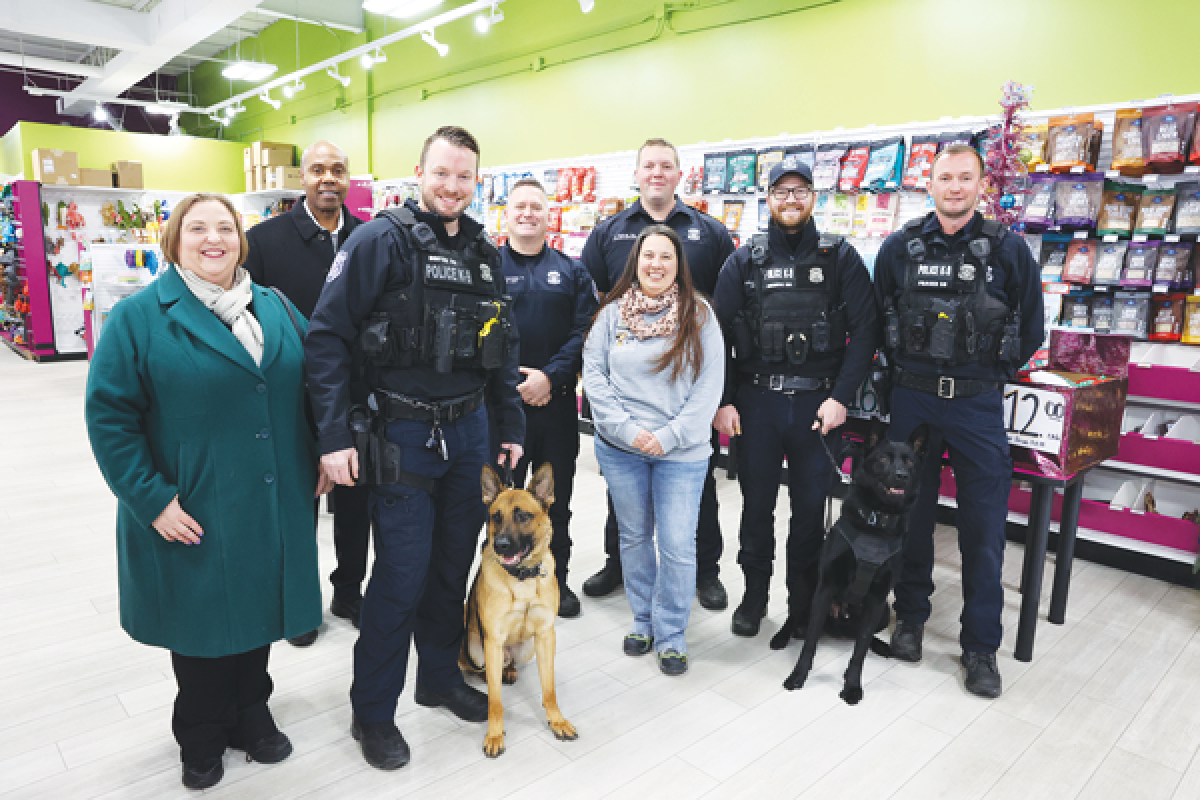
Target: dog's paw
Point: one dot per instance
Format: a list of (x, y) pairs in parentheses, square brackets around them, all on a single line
[(509, 676), (563, 730), (493, 746), (780, 640), (795, 680), (852, 695)]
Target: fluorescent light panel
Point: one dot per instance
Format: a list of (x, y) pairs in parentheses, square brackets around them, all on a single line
[(400, 8), (249, 71)]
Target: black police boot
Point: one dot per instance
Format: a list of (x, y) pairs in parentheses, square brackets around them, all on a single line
[(346, 605), (270, 749), (383, 746), (906, 641), (983, 676), (604, 582), (711, 594), (466, 702), (568, 603), (203, 774), (304, 639), (748, 616)]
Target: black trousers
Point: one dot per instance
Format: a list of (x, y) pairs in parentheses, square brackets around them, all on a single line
[(351, 535), (222, 702), (709, 544)]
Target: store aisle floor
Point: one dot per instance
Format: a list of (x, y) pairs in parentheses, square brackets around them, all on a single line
[(1108, 709)]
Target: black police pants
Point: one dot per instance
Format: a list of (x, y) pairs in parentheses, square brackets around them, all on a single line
[(709, 542), (221, 702), (777, 425), (424, 547), (552, 437), (351, 536), (972, 428)]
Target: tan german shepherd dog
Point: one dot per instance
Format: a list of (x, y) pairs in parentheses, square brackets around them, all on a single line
[(513, 602)]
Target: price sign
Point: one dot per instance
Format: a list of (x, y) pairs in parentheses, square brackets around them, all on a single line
[(1034, 418)]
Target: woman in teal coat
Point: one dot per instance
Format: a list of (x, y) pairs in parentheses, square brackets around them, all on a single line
[(196, 414)]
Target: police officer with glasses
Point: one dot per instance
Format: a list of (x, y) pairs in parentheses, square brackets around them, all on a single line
[(418, 292), (961, 299), (800, 322)]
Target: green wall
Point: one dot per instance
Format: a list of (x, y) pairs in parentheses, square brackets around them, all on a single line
[(634, 69), (10, 151)]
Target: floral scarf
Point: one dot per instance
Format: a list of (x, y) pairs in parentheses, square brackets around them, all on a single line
[(634, 305)]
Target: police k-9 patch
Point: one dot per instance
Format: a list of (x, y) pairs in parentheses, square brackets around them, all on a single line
[(335, 269), (440, 268), (779, 277), (935, 276), (553, 277)]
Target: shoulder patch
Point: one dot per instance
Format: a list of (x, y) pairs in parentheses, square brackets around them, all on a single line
[(335, 269)]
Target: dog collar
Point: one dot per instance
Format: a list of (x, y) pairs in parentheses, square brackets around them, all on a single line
[(524, 573)]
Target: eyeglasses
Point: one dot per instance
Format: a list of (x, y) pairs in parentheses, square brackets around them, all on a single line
[(800, 193)]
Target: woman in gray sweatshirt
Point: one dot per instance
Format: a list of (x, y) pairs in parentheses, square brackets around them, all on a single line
[(653, 370)]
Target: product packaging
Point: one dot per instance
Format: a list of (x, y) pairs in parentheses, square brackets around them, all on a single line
[(862, 213), (1054, 259), (1174, 269), (615, 205), (1127, 148), (562, 192), (1081, 261), (500, 189), (822, 208), (828, 166), (1069, 141), (767, 159), (555, 223), (854, 166), (1102, 313), (884, 164), (1034, 241), (1038, 213), (715, 165), (1140, 263), (1076, 311), (589, 185), (1033, 146), (1110, 262), (1187, 208), (731, 214), (882, 214), (741, 168), (920, 159), (1118, 209), (1078, 200), (1167, 314), (1155, 211), (1166, 134), (577, 182), (955, 137), (1131, 314), (841, 214), (1191, 323), (550, 181), (800, 154)]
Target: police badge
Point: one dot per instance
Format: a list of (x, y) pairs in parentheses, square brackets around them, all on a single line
[(816, 275), (486, 272), (966, 272)]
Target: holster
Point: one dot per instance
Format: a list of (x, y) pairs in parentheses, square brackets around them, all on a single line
[(378, 459)]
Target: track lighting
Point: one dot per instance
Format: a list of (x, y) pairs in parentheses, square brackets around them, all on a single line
[(344, 80), (271, 101), (586, 6), (289, 90), (100, 113), (442, 49), (399, 8), (369, 60), (165, 108), (483, 23), (252, 71)]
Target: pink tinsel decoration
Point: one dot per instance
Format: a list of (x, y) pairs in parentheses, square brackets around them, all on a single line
[(1006, 172)]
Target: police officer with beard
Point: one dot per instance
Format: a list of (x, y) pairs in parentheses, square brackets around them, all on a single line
[(962, 311), (418, 292), (799, 316)]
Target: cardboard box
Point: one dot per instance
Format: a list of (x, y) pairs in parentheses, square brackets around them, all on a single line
[(127, 175), (56, 167), (95, 177), (282, 178), (272, 154)]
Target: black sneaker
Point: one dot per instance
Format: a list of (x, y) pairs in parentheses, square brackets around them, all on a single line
[(672, 662), (568, 603), (712, 595), (465, 702), (636, 644), (346, 606), (383, 746), (983, 676), (604, 582), (303, 640), (204, 774), (270, 749), (906, 641)]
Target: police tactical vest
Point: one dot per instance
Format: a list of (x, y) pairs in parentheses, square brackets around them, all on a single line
[(945, 314), (451, 317), (794, 311)]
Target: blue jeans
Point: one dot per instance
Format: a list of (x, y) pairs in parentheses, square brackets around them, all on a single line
[(650, 492)]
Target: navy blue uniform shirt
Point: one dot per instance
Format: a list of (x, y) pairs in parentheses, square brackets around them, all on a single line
[(374, 254), (1013, 259), (738, 283), (553, 303), (706, 244)]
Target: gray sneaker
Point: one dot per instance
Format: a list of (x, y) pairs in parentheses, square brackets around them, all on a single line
[(906, 641), (983, 676)]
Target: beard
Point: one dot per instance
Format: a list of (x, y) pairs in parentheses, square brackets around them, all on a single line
[(429, 201)]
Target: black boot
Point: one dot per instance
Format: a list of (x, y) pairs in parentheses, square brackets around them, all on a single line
[(748, 616), (568, 602), (604, 582)]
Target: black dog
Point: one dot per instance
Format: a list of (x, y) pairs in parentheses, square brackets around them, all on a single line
[(862, 554)]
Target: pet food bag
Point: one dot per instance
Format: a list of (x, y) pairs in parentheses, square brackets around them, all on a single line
[(800, 154), (1081, 261), (1127, 153), (828, 166), (884, 164), (715, 177), (742, 164), (1077, 202), (1033, 146), (767, 159), (1102, 313), (1154, 211), (1174, 265), (854, 167), (1131, 314), (920, 160), (1187, 207), (1140, 264), (1076, 311), (1069, 141), (1038, 212), (1110, 263), (1118, 209), (1166, 315), (1054, 259), (1166, 134)]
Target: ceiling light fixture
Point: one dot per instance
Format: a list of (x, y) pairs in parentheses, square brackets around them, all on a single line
[(483, 24), (586, 6), (369, 60), (289, 90), (400, 8), (271, 101), (165, 108), (100, 113), (442, 49), (249, 71), (344, 80)]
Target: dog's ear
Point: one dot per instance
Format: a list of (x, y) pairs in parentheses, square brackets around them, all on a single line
[(492, 485), (876, 433), (542, 485), (919, 439)]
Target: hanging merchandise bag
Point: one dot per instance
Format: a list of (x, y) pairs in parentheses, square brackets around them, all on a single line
[(1118, 209), (1166, 134), (1069, 141), (715, 165), (1110, 261), (854, 167), (741, 167), (1128, 154), (1187, 208), (1140, 264), (828, 166), (1081, 261), (1078, 200), (884, 165), (1155, 211), (1038, 213), (920, 159)]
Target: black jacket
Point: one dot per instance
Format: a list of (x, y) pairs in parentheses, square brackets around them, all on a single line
[(293, 254), (850, 367)]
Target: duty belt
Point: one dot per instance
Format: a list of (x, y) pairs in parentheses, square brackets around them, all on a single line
[(791, 383), (942, 385), (397, 406)]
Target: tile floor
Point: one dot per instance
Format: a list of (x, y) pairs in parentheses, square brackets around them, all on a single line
[(1109, 708)]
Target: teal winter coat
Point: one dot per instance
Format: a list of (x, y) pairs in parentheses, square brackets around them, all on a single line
[(176, 406)]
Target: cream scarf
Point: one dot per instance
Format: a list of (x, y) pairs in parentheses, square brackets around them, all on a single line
[(231, 307)]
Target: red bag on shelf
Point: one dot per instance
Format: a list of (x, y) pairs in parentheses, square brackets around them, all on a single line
[(589, 185), (562, 192), (1166, 132), (854, 166), (577, 174), (555, 224)]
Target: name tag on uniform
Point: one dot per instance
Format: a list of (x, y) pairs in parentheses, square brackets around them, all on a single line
[(440, 268), (779, 277), (935, 276)]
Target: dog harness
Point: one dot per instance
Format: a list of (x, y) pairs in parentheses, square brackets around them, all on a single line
[(525, 573), (872, 546)]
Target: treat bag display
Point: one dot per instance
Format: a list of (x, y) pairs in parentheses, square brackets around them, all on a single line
[(589, 185), (854, 166), (1174, 259), (1127, 147), (841, 214), (1078, 200), (956, 137), (1118, 209), (1102, 313), (577, 185), (883, 166), (822, 209), (1191, 322), (1110, 262), (767, 159), (1131, 314), (800, 154), (1038, 212), (555, 223), (1094, 144), (1033, 146), (882, 219), (1076, 311), (715, 165), (1034, 240), (1187, 208), (1081, 261), (741, 168), (828, 166), (1166, 135), (1154, 212), (1069, 141), (731, 214), (862, 213), (1140, 264), (920, 159), (1054, 259), (1166, 317)]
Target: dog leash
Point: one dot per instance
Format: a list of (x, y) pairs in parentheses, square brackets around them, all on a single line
[(508, 470), (836, 467)]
